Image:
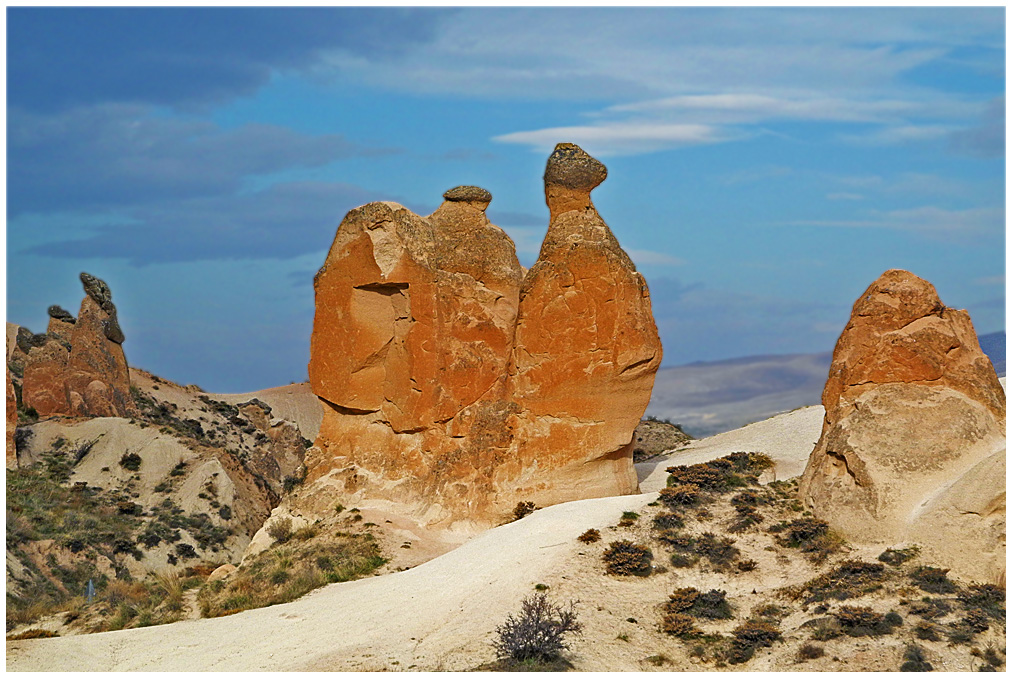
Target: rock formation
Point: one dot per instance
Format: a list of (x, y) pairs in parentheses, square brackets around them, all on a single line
[(457, 385), (654, 436), (12, 422), (913, 442), (78, 367)]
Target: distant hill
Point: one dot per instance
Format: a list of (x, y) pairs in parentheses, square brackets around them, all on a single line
[(706, 398)]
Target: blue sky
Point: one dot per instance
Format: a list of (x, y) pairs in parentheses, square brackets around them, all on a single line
[(765, 165)]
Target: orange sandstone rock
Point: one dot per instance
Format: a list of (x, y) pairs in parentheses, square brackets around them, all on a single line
[(913, 444), (454, 384), (79, 368), (12, 423)]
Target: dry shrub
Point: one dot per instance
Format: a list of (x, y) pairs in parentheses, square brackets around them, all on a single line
[(850, 579), (668, 521), (931, 608), (33, 634), (626, 558), (280, 530), (746, 565), (863, 621), (677, 624), (538, 632), (590, 536), (809, 651), (677, 496), (681, 600), (897, 557), (746, 517), (523, 509), (752, 634), (914, 660), (720, 551), (987, 598), (933, 580)]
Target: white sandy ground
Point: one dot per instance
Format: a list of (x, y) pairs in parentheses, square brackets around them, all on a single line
[(441, 614), (438, 615)]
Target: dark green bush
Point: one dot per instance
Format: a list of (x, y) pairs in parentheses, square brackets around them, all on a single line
[(130, 461), (914, 660)]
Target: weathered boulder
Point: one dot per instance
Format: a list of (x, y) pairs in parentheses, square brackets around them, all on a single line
[(653, 436), (454, 384), (79, 368), (61, 323), (913, 442)]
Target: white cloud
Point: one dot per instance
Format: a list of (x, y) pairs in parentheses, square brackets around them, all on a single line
[(623, 138), (991, 280)]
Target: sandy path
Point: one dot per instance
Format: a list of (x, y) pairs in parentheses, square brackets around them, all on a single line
[(438, 615), (788, 438)]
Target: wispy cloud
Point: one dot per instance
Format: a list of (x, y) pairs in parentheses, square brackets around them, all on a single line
[(621, 138), (844, 196), (900, 134), (927, 220)]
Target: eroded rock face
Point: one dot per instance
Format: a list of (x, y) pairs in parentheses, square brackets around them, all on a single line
[(913, 444), (78, 367), (457, 385), (12, 423)]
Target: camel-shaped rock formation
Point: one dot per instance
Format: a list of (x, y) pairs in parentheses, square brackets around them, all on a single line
[(78, 366), (913, 442), (455, 385)]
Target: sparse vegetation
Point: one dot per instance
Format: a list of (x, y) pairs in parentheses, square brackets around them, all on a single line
[(933, 580), (537, 634), (523, 509), (289, 571), (749, 636), (850, 579), (626, 558), (898, 556), (280, 530), (914, 659), (590, 536), (130, 461), (809, 651), (863, 621)]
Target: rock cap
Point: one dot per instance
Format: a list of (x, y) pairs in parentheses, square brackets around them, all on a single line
[(572, 167), (60, 313), (473, 195), (96, 289)]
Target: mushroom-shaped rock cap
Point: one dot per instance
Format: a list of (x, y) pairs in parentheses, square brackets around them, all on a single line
[(60, 313), (572, 167), (473, 195), (96, 289)]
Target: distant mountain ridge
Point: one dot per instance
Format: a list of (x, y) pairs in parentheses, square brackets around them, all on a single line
[(706, 398)]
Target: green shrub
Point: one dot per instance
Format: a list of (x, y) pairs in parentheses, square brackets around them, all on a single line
[(914, 660), (130, 461)]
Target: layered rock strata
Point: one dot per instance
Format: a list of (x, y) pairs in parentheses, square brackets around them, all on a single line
[(78, 366), (913, 442), (456, 385)]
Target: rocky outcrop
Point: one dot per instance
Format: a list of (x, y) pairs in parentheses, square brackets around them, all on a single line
[(280, 460), (654, 436), (78, 367), (457, 385), (12, 422), (913, 442)]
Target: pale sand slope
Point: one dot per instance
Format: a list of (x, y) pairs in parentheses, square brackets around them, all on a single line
[(788, 438), (296, 403), (438, 615), (430, 615)]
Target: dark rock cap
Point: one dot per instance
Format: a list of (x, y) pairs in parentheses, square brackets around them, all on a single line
[(100, 292), (60, 313), (572, 167), (96, 289), (468, 194)]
